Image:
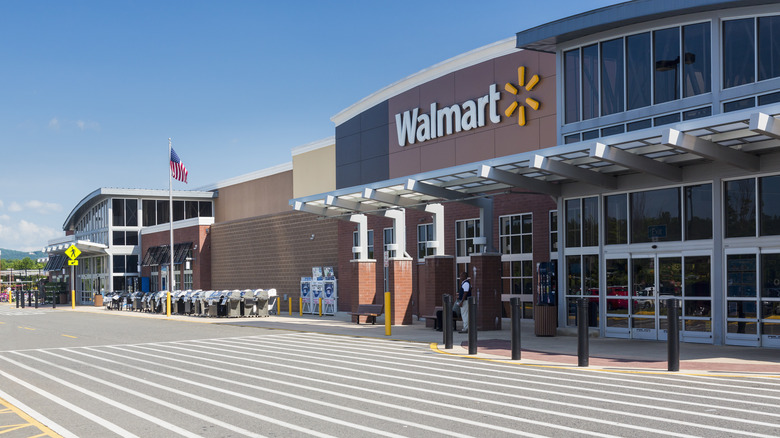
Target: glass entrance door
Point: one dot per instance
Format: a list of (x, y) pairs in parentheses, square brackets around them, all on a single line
[(654, 279), (638, 286)]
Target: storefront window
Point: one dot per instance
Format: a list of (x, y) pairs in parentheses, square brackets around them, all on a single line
[(616, 208), (424, 235), (571, 86), (516, 234), (638, 68), (696, 65), (769, 192), (655, 216), (163, 208), (698, 212), (465, 232), (770, 275), (741, 275), (738, 52), (768, 47), (666, 57), (590, 221), (118, 212), (740, 206), (612, 77), (190, 209), (150, 212), (553, 231), (590, 82), (573, 223)]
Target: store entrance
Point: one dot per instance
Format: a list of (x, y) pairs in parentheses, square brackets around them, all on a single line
[(639, 285)]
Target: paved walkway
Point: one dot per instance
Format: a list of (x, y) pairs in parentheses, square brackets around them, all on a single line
[(605, 353)]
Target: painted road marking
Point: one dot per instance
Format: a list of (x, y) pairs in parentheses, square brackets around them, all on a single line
[(69, 336), (291, 378), (106, 400), (415, 386), (493, 394), (22, 411), (173, 406)]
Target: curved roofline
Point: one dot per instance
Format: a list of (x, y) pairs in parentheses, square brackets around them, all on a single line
[(107, 192), (546, 37), (494, 50)]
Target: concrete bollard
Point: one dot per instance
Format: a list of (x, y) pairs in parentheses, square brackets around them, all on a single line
[(515, 304), (583, 353)]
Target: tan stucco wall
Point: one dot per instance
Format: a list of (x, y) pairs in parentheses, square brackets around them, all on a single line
[(314, 171), (259, 197)]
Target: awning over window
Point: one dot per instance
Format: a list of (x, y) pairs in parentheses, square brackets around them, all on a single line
[(55, 263), (161, 255)]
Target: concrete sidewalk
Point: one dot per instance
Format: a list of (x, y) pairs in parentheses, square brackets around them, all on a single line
[(605, 353)]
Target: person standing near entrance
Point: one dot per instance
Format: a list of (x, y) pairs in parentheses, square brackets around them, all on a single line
[(462, 306)]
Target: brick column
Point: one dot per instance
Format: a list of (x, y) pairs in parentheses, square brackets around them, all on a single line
[(364, 286), (486, 280), (399, 273), (439, 280)]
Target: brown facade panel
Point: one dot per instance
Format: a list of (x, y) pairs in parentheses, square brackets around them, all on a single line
[(485, 142), (272, 251), (258, 197)]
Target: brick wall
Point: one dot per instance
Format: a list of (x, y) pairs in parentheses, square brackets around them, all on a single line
[(504, 204), (273, 252), (200, 238)]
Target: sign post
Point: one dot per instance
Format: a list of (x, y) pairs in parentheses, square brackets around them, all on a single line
[(73, 253)]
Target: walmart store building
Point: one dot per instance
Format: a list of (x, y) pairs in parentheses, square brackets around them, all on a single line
[(625, 155)]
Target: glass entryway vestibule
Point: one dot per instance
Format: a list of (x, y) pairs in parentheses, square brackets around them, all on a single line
[(638, 285)]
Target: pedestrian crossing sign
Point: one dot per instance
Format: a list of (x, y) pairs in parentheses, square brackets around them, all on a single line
[(72, 252)]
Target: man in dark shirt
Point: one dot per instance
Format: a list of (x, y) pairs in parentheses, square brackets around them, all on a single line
[(462, 305)]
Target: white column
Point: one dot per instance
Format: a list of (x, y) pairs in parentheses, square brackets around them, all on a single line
[(362, 248), (438, 226)]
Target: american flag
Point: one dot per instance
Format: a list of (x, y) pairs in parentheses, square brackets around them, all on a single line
[(178, 171)]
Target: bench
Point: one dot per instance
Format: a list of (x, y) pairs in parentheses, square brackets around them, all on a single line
[(436, 318), (370, 311)]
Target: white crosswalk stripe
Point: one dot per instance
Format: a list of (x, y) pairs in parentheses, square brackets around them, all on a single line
[(301, 384)]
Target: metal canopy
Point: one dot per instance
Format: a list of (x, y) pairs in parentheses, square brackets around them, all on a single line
[(736, 139)]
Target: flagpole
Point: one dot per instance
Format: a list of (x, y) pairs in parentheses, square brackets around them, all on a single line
[(170, 217)]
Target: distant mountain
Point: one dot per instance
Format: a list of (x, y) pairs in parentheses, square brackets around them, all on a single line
[(10, 254)]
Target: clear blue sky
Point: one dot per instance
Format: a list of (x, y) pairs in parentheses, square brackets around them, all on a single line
[(91, 90)]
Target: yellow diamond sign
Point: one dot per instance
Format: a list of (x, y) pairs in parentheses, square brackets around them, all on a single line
[(73, 252)]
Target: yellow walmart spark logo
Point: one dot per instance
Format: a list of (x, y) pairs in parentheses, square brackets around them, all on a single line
[(534, 104)]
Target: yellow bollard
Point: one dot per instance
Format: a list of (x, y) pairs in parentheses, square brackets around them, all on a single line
[(168, 305), (289, 305), (300, 306), (388, 318), (73, 299), (320, 306)]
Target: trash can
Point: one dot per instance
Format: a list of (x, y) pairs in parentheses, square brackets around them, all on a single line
[(233, 304), (248, 306), (261, 302), (177, 302), (211, 304), (98, 300)]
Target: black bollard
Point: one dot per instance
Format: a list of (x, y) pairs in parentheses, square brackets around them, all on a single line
[(514, 303), (54, 297), (21, 294), (446, 323), (673, 335), (17, 299), (472, 326), (583, 355), (36, 299)]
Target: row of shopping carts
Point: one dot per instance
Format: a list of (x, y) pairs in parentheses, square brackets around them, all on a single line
[(212, 303)]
